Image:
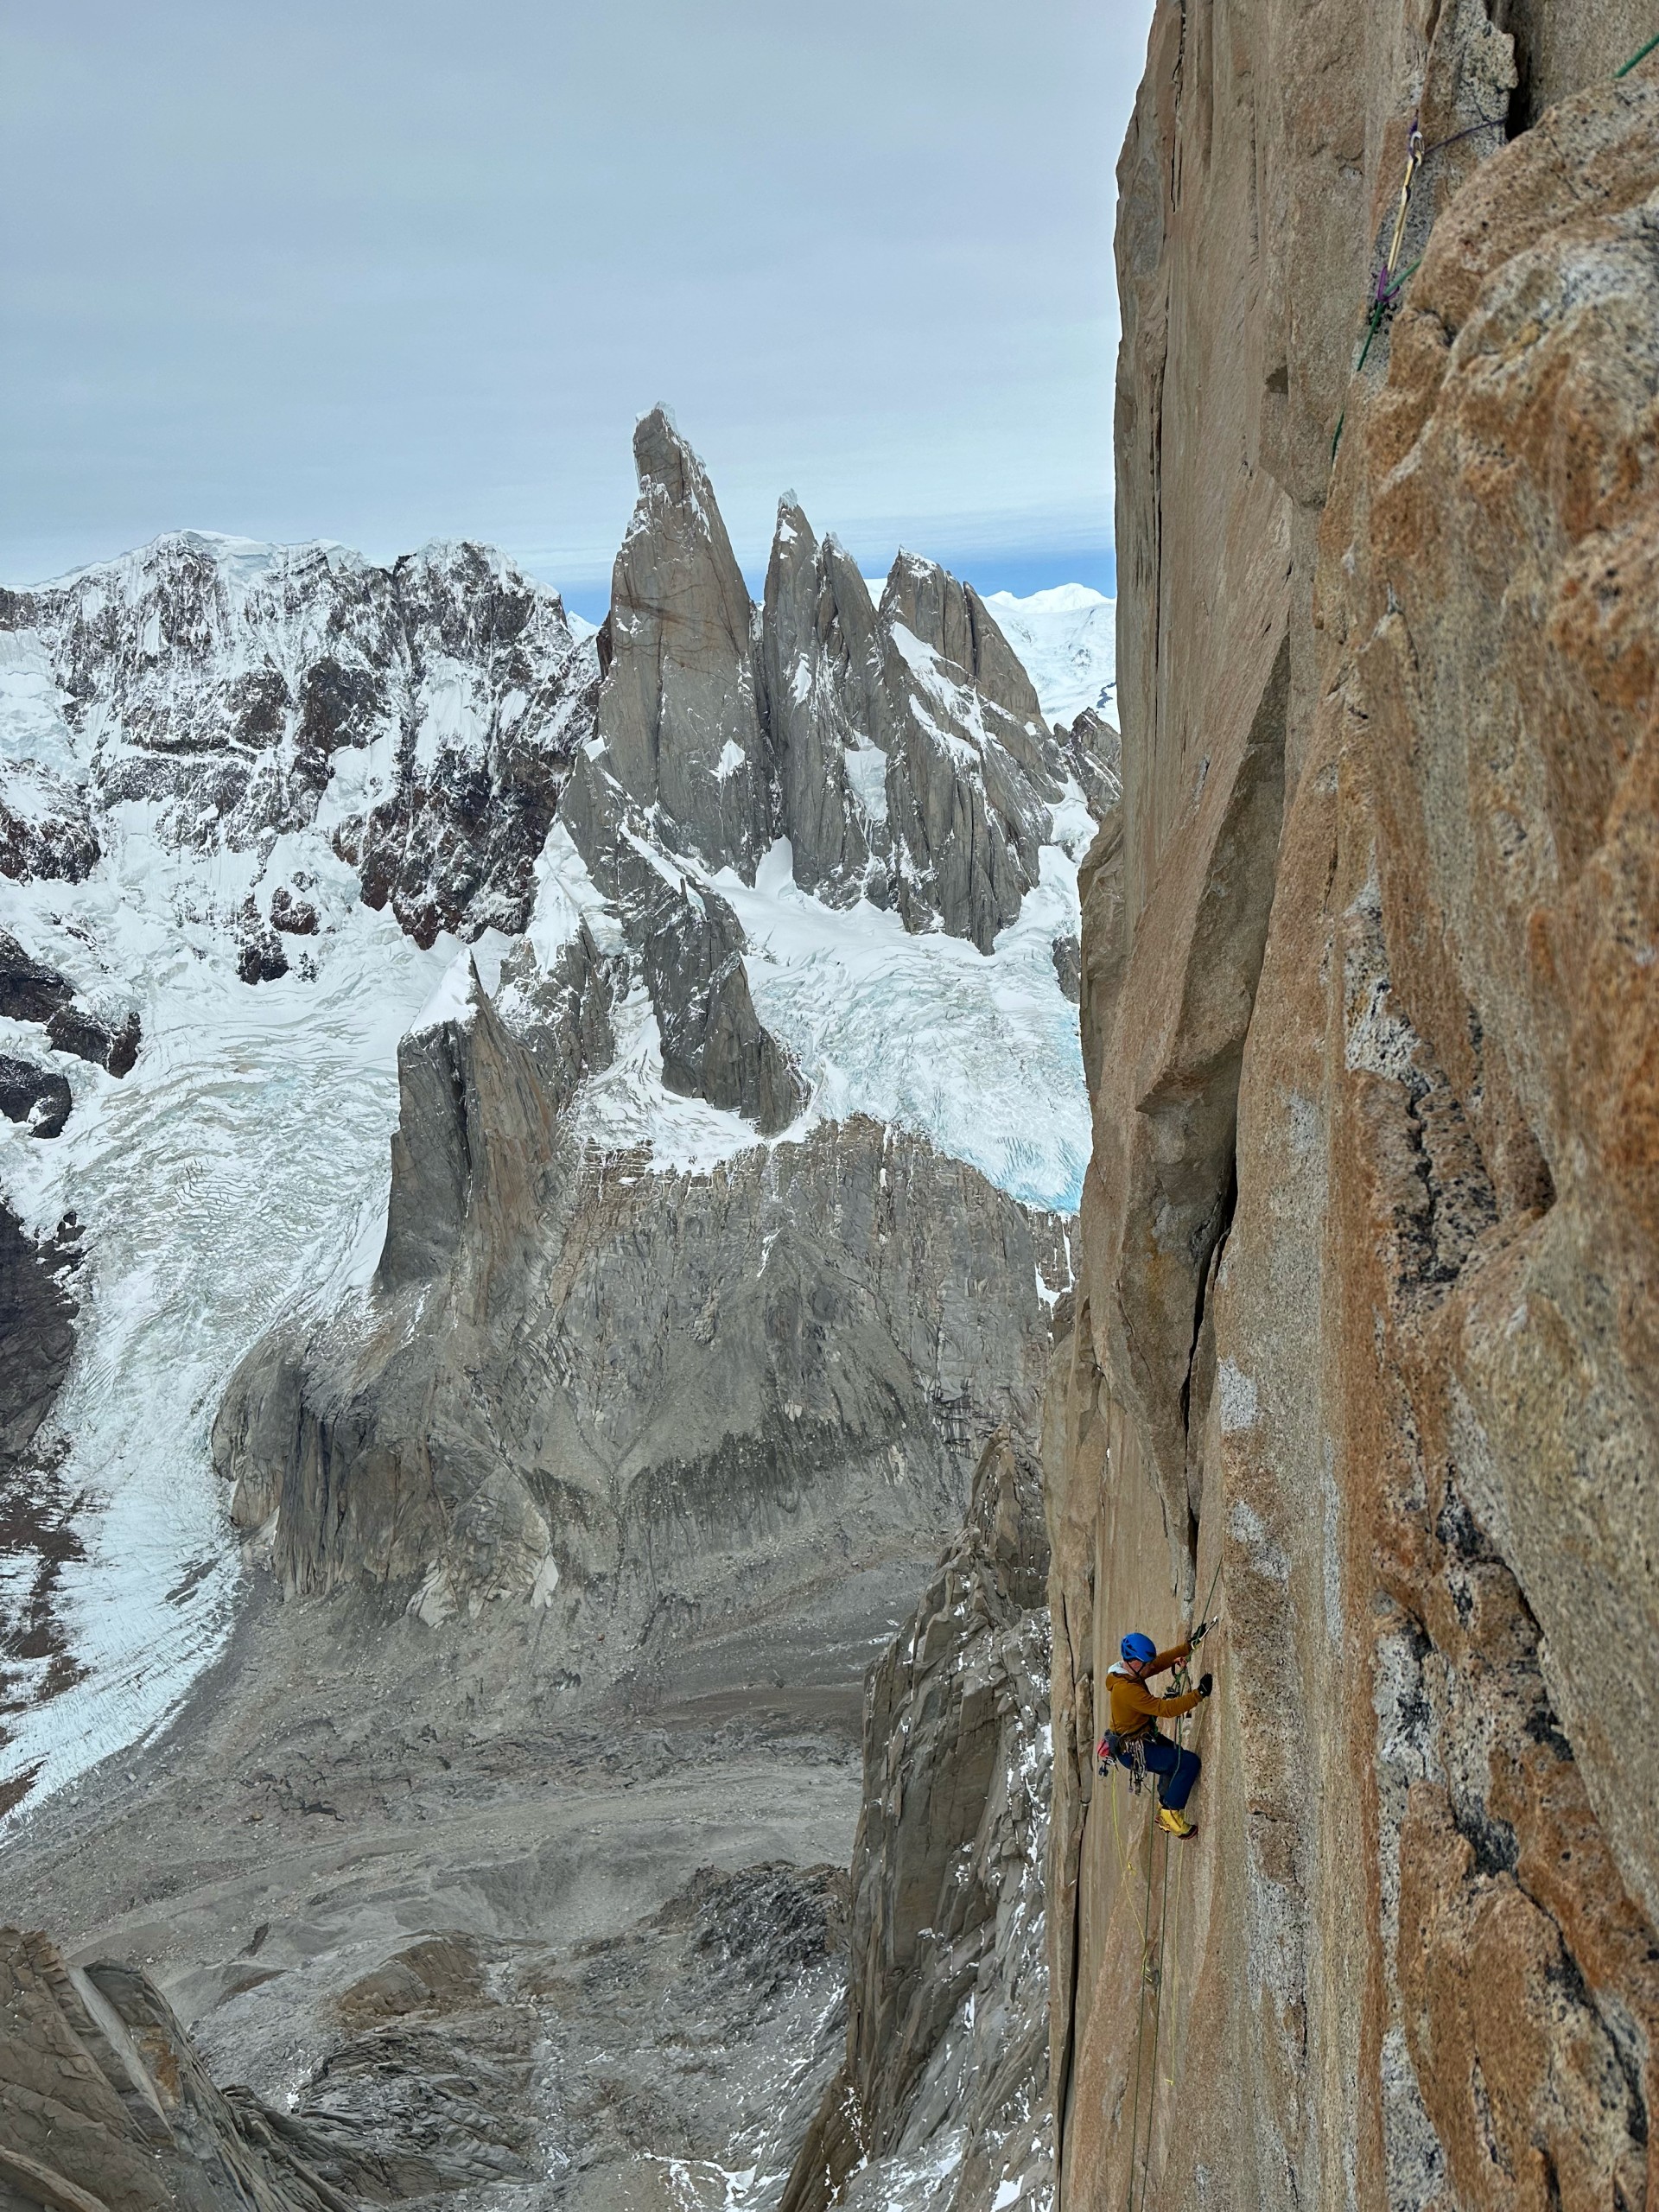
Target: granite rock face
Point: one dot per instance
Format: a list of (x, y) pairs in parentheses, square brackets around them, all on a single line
[(564, 1012), (968, 780), (1094, 753), (108, 2108), (678, 782), (1361, 1362), (953, 621), (909, 766), (942, 2098), (679, 724), (576, 1384), (913, 763), (714, 1045), (825, 711), (901, 750)]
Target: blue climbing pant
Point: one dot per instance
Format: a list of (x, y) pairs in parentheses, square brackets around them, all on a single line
[(1180, 1769)]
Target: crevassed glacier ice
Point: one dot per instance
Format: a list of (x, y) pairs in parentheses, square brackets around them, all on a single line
[(241, 1165)]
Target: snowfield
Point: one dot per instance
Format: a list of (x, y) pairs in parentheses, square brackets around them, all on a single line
[(1067, 637), (980, 1055)]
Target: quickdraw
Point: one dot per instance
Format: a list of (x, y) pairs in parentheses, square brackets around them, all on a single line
[(1386, 286), (1391, 279), (1384, 289)]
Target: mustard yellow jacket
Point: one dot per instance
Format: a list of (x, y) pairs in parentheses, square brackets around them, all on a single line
[(1133, 1703)]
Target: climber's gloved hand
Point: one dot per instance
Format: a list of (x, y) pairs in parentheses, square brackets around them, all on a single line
[(1199, 1633), (1206, 1684)]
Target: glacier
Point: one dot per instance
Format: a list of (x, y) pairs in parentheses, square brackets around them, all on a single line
[(240, 1170), (241, 1167)]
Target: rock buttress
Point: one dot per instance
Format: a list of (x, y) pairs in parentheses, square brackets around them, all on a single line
[(1362, 1360), (653, 1396), (945, 2079), (109, 2108)]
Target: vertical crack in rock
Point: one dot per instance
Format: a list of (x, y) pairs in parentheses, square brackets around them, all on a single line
[(1391, 1399), (1168, 1109)]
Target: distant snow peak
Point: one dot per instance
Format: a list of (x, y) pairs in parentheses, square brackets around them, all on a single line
[(422, 714), (1067, 638)]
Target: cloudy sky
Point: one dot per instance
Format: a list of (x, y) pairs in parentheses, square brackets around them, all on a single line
[(383, 271)]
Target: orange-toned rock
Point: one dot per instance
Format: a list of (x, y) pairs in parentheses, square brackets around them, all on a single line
[(1365, 1358)]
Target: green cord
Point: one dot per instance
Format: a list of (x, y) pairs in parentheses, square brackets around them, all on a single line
[(1377, 311), (1374, 326)]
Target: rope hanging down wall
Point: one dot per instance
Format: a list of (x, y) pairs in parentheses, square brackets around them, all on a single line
[(1386, 287)]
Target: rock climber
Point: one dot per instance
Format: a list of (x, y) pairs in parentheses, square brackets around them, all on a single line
[(1134, 1737)]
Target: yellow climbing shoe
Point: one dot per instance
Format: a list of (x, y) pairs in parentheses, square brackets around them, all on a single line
[(1177, 1823)]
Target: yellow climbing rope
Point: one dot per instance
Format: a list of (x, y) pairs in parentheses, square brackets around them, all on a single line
[(1413, 162)]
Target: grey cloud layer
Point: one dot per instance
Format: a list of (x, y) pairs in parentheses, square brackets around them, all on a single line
[(384, 271)]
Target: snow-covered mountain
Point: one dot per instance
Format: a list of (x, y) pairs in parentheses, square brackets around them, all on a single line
[(420, 716), (259, 809), (1066, 638)]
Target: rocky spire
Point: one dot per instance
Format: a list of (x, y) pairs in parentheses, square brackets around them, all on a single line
[(679, 724), (952, 618), (825, 707), (970, 775)]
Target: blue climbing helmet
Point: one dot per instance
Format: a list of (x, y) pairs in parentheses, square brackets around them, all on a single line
[(1136, 1646)]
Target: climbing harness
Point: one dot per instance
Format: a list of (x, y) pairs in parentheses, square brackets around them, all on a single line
[(1127, 1752)]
